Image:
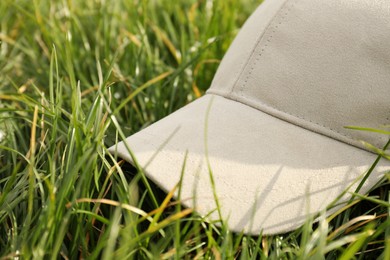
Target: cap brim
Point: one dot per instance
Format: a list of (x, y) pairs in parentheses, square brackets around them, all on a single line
[(269, 175)]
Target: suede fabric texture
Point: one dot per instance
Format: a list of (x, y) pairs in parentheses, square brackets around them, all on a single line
[(271, 126), (319, 64)]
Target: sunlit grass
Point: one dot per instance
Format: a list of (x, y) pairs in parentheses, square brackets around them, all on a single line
[(75, 76)]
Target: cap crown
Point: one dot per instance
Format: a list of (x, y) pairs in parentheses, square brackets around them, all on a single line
[(322, 65)]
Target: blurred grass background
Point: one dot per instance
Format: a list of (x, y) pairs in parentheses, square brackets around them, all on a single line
[(135, 40), (76, 74)]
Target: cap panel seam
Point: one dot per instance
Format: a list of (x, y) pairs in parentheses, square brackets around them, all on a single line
[(300, 117), (240, 73), (353, 141), (237, 92), (284, 13), (256, 104)]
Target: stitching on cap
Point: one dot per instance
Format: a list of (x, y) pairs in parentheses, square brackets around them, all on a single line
[(260, 106), (252, 103), (268, 41), (239, 72), (257, 59), (281, 15), (306, 119)]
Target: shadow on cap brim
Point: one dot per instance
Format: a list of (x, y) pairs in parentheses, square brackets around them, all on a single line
[(269, 175)]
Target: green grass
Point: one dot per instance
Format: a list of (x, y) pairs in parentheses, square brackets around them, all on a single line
[(76, 74)]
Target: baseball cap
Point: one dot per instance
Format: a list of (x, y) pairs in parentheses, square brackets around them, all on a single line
[(267, 143)]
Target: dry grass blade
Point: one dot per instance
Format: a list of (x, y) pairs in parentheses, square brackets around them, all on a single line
[(161, 209), (141, 88), (168, 43), (113, 203), (350, 223)]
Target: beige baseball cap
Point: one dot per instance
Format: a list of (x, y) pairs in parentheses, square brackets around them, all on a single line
[(268, 139)]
